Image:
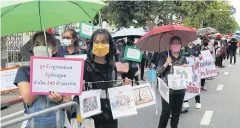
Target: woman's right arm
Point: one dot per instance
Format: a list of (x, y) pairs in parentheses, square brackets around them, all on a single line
[(24, 89), (22, 81)]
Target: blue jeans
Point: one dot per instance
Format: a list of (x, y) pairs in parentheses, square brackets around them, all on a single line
[(47, 120)]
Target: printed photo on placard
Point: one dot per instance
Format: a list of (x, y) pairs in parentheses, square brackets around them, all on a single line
[(143, 95), (175, 82), (122, 101), (90, 103), (186, 73)]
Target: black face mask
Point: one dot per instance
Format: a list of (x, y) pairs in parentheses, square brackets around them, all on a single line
[(205, 44)]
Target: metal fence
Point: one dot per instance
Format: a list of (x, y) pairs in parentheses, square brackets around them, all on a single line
[(55, 108)]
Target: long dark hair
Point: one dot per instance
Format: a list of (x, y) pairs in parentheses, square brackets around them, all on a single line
[(109, 56)]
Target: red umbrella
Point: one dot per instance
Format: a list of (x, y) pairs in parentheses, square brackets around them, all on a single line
[(158, 38)]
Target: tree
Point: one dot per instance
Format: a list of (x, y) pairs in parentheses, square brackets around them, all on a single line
[(213, 14), (138, 13)]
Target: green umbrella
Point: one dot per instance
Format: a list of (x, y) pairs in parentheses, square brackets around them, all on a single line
[(36, 15)]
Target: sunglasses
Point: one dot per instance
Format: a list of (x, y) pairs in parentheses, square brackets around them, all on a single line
[(67, 37)]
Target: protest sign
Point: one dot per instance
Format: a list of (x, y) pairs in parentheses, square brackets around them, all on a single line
[(86, 29), (132, 54), (207, 65), (122, 101), (164, 90), (193, 88), (61, 75), (185, 72), (7, 79), (143, 95), (90, 103)]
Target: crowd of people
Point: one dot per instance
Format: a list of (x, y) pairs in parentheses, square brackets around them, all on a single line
[(102, 53)]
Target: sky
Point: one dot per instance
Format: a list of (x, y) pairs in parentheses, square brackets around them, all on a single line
[(236, 4)]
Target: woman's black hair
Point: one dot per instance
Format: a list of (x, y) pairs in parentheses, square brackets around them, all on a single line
[(74, 35), (39, 37), (175, 38), (108, 37)]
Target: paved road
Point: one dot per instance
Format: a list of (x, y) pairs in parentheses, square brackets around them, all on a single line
[(223, 104)]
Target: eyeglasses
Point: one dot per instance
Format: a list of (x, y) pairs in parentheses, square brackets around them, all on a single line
[(67, 37)]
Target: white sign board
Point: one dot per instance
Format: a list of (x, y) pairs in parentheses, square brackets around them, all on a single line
[(61, 75), (7, 79)]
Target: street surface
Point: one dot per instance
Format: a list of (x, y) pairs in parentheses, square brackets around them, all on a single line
[(220, 105)]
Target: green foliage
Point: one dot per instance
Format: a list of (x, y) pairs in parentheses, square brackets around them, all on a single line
[(191, 13), (213, 14), (137, 13)]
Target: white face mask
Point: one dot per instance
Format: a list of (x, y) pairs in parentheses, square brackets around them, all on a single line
[(42, 51), (66, 42)]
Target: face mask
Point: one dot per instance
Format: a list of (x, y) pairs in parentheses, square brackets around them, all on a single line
[(66, 42), (42, 51), (175, 48), (100, 50)]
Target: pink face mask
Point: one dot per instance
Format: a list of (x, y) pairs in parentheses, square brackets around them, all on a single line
[(175, 48)]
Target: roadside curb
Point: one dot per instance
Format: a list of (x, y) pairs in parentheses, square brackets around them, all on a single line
[(10, 102)]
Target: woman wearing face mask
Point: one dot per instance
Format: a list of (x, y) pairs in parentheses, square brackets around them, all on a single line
[(165, 67), (70, 44), (99, 67), (34, 103)]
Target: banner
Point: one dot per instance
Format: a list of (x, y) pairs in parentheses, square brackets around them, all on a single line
[(90, 103), (193, 88), (61, 75), (207, 65), (7, 79), (143, 95), (163, 89), (122, 101)]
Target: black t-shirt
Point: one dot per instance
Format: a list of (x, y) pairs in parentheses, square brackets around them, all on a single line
[(101, 67), (94, 72)]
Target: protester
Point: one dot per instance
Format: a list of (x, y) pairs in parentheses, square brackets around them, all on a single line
[(98, 67), (192, 51), (233, 49), (219, 54), (142, 64), (164, 67), (133, 66), (35, 103), (70, 44), (203, 48), (239, 47)]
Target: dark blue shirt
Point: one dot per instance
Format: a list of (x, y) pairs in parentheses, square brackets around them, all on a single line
[(64, 51), (22, 75)]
